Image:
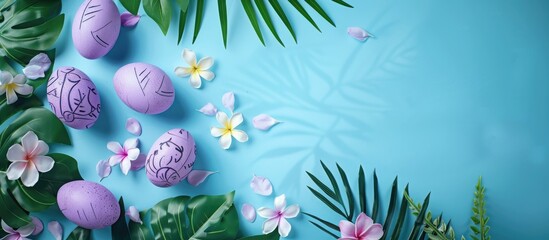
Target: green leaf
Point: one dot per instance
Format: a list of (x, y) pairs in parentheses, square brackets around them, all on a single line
[(184, 5), (333, 181), (303, 12), (280, 12), (375, 208), (5, 66), (131, 5), (401, 215), (19, 35), (80, 233), (222, 7), (271, 236), (249, 8), (11, 212), (479, 218), (392, 207), (8, 110), (341, 2), (349, 192), (198, 18), (213, 217), (327, 202), (324, 229), (168, 218), (326, 223), (323, 186), (160, 11), (320, 11), (420, 218), (140, 231), (362, 191), (267, 18), (41, 121), (119, 230)]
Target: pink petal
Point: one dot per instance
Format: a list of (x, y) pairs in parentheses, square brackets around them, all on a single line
[(208, 109), (38, 226), (56, 230), (16, 153), (41, 60), (37, 66), (248, 212), (280, 202), (363, 222), (264, 122), (228, 100), (26, 230), (284, 227), (129, 20), (33, 72), (196, 177), (30, 175), (270, 225), (133, 154), (133, 126), (115, 147), (125, 166), (139, 162), (103, 169), (133, 213), (115, 159), (291, 211), (347, 229), (16, 169), (7, 228), (261, 185), (131, 143), (358, 33), (375, 232), (266, 212)]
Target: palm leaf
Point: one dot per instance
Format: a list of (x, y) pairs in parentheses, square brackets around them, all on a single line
[(323, 186), (184, 5), (303, 12), (375, 208), (349, 192), (324, 230), (391, 210), (362, 191), (401, 215), (222, 7), (249, 8), (280, 12), (343, 3), (328, 224), (314, 4), (267, 18), (327, 202), (420, 218), (335, 186), (198, 18)]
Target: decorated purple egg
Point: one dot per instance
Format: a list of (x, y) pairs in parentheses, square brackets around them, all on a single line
[(144, 88), (88, 204), (95, 28), (73, 97), (171, 158)]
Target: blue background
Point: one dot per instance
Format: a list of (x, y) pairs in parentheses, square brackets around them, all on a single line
[(447, 92)]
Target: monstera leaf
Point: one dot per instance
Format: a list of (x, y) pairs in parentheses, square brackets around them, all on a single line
[(28, 27)]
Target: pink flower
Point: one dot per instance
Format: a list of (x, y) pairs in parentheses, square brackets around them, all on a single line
[(28, 159), (19, 234), (364, 229), (124, 155), (277, 217)]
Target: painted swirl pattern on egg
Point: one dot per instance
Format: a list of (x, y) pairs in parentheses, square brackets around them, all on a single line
[(171, 158)]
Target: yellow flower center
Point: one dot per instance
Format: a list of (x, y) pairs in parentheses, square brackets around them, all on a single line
[(10, 87), (195, 69)]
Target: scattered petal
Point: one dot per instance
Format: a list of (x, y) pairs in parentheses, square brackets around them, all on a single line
[(261, 186), (38, 226), (228, 100), (358, 33), (129, 20), (208, 109), (56, 230), (37, 66), (133, 126), (248, 212), (41, 60), (139, 162), (103, 169), (133, 213), (196, 177), (264, 122), (33, 72)]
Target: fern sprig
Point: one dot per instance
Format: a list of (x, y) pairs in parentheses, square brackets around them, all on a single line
[(479, 218), (436, 229)]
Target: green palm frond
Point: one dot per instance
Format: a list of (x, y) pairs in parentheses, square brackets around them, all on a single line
[(161, 12), (479, 218)]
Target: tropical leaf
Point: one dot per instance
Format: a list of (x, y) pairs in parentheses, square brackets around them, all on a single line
[(280, 12), (168, 218), (314, 4), (391, 210), (184, 5), (341, 2), (160, 11), (131, 5), (8, 110), (80, 233), (274, 235), (198, 18), (140, 231), (249, 8), (11, 212), (401, 216), (267, 18), (303, 12), (480, 220), (222, 7), (120, 228), (348, 191)]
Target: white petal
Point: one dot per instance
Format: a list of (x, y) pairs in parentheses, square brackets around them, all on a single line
[(236, 120), (38, 226), (217, 132), (291, 211), (196, 177), (208, 109), (2, 89), (266, 212), (133, 126), (205, 63), (115, 159), (264, 122), (240, 135), (19, 79), (30, 175), (225, 141), (131, 143), (103, 169), (280, 202), (182, 71), (43, 163), (115, 147), (42, 60), (7, 228), (16, 153), (125, 166), (195, 80), (248, 212), (16, 169), (23, 89), (228, 100), (207, 75), (29, 141), (189, 56), (26, 230), (133, 213), (133, 154), (5, 77), (284, 227), (33, 72), (222, 118), (56, 230), (358, 33), (270, 225), (11, 97), (41, 149), (261, 185)]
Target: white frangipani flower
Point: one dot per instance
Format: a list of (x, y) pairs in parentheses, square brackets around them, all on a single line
[(277, 217), (11, 85), (124, 155), (28, 159), (228, 129), (197, 71)]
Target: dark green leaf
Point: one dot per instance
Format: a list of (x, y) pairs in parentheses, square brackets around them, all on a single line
[(267, 18), (131, 5), (375, 208), (168, 218), (80, 233), (198, 18), (271, 236), (303, 12), (8, 110), (222, 7), (5, 66), (140, 231), (323, 186), (392, 207), (160, 11), (213, 217), (320, 11), (184, 5), (420, 218), (324, 230), (327, 202), (280, 12), (341, 2), (328, 224), (335, 186), (119, 230), (249, 8), (11, 212), (362, 191), (401, 216), (349, 192)]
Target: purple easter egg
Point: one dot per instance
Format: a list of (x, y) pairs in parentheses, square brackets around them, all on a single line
[(95, 28), (144, 88), (73, 97), (171, 158), (88, 204)]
